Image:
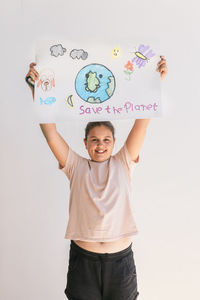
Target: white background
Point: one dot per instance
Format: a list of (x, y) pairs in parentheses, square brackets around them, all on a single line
[(34, 193)]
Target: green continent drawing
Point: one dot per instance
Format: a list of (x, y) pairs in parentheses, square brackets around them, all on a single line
[(92, 82), (111, 86)]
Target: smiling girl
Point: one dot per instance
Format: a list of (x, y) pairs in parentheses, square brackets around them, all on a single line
[(101, 223)]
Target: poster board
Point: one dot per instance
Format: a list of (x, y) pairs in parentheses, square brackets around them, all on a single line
[(96, 81)]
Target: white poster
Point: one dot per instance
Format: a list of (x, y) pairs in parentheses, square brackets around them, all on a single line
[(96, 81)]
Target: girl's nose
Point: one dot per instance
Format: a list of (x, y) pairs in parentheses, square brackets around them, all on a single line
[(100, 143)]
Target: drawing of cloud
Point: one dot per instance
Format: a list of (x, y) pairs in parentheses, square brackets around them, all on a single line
[(78, 54), (57, 50)]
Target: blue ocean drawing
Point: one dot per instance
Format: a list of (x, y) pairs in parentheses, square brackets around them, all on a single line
[(95, 83)]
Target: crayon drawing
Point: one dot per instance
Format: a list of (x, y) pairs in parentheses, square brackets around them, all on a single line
[(46, 80), (95, 83), (69, 101), (48, 101), (78, 54), (57, 50), (116, 52), (129, 69), (141, 57), (96, 80)]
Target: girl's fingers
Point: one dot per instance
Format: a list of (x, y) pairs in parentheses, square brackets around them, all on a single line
[(162, 58), (32, 69), (31, 78), (161, 70), (36, 75), (162, 61), (33, 75), (163, 66), (32, 65), (30, 81)]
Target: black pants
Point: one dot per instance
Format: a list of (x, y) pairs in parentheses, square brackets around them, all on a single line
[(101, 276)]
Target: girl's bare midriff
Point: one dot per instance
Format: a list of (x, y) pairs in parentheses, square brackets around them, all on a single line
[(105, 247)]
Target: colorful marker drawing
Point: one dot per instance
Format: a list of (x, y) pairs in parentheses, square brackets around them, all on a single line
[(95, 83), (46, 80), (57, 50), (48, 101), (69, 101), (129, 69), (116, 52), (141, 57), (97, 79), (92, 82), (80, 53)]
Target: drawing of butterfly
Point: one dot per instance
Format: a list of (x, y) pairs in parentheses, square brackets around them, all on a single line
[(141, 57)]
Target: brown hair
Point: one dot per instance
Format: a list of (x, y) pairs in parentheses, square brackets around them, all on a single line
[(107, 124)]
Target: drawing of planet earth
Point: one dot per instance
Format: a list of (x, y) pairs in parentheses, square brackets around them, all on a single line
[(95, 83)]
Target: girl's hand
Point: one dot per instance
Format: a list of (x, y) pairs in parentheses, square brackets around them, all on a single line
[(162, 67), (32, 76)]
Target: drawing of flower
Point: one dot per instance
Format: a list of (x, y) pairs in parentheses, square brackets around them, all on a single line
[(129, 69), (129, 66)]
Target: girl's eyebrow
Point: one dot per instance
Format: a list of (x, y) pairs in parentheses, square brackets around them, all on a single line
[(93, 136)]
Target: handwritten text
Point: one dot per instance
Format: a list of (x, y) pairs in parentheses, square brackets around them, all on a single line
[(127, 108)]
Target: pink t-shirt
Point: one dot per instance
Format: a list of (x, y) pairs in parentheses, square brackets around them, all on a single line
[(100, 197)]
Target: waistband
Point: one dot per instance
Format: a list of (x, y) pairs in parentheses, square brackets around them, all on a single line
[(95, 255)]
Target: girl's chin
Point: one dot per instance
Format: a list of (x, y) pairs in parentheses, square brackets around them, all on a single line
[(99, 158)]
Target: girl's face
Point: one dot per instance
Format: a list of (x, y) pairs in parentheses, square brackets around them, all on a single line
[(99, 143)]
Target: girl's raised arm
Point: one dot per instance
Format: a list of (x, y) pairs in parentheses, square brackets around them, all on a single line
[(56, 143), (136, 137), (137, 134)]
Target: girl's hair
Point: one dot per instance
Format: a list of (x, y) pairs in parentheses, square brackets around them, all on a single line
[(91, 125)]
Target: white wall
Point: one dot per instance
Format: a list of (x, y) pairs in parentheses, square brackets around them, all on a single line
[(34, 193)]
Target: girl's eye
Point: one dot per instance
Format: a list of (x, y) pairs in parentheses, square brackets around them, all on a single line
[(107, 140)]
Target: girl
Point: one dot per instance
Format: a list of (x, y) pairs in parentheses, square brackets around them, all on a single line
[(100, 225)]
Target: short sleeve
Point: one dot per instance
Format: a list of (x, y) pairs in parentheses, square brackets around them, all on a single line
[(71, 163), (125, 157)]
